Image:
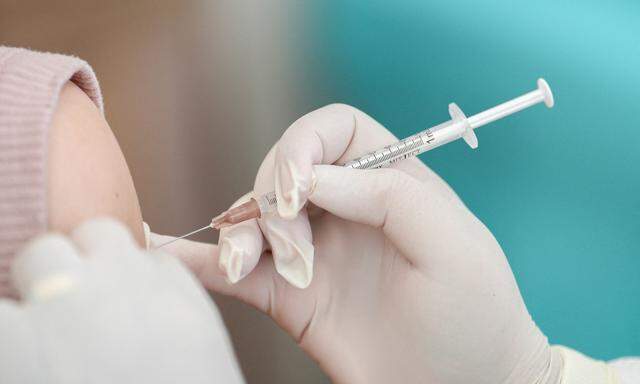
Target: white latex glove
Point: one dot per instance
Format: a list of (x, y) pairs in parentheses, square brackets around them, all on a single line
[(96, 309), (408, 285)]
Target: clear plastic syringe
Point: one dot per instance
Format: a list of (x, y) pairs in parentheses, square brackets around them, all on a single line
[(458, 127)]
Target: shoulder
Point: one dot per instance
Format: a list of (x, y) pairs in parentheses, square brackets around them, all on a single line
[(88, 174)]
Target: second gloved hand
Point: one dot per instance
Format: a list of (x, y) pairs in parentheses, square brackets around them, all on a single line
[(97, 309)]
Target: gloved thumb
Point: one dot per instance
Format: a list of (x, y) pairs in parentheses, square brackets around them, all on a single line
[(202, 259), (415, 216)]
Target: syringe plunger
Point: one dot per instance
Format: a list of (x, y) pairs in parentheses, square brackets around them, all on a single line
[(543, 93)]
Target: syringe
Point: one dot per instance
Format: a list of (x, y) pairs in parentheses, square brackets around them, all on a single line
[(458, 127)]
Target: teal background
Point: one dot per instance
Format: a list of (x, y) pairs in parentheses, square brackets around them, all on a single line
[(559, 188)]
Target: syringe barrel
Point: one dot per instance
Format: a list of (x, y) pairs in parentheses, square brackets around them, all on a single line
[(411, 146)]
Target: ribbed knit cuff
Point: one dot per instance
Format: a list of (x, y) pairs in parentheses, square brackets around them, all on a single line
[(30, 83)]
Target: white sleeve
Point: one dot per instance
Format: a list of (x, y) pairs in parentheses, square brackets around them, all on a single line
[(627, 368), (580, 369)]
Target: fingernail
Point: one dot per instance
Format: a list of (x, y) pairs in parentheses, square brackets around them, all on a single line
[(289, 190), (230, 260)]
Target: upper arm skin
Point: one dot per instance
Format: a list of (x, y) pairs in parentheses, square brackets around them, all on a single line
[(87, 173)]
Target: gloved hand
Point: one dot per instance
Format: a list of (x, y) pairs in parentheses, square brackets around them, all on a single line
[(408, 285), (96, 309)]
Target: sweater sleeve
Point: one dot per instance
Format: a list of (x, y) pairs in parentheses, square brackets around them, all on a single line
[(30, 83)]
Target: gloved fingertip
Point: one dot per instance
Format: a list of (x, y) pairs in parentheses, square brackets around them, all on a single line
[(147, 235), (239, 251), (288, 208), (47, 266), (230, 260), (314, 181), (297, 279), (330, 175), (294, 261), (298, 273), (291, 189)]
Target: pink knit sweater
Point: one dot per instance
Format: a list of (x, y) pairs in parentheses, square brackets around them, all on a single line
[(30, 83)]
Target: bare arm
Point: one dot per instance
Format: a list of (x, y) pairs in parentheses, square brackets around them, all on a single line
[(87, 172)]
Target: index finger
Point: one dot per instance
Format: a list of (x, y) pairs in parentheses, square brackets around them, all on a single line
[(336, 133)]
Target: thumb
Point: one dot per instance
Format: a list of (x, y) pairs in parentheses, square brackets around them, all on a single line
[(202, 260), (419, 219)]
